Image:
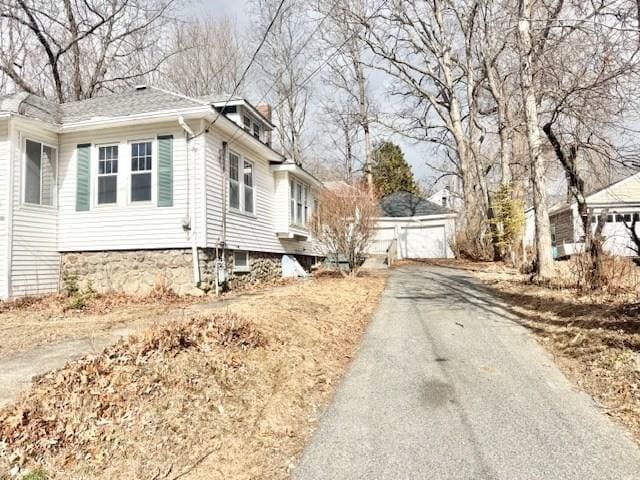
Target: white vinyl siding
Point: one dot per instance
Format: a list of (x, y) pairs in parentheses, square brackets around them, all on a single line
[(245, 232), (35, 261), (4, 207), (129, 225)]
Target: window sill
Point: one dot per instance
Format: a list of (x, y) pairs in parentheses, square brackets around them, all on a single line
[(242, 270), (37, 206), (299, 227), (242, 213)]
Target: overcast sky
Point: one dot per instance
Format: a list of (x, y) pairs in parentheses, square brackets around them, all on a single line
[(237, 9)]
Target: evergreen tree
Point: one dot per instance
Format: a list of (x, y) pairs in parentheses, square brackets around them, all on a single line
[(391, 172)]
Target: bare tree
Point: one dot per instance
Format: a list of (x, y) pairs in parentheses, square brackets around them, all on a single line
[(345, 223), (210, 57), (544, 255), (588, 95), (347, 68), (285, 66), (72, 50)]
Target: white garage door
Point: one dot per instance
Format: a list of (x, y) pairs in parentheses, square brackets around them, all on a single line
[(424, 242)]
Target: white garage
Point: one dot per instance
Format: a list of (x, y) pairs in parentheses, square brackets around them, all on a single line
[(419, 228)]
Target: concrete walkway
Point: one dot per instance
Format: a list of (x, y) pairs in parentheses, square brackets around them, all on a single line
[(447, 386)]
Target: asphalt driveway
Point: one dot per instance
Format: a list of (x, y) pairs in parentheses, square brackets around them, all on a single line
[(447, 386)]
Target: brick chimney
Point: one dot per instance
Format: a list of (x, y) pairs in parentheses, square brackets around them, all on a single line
[(266, 111)]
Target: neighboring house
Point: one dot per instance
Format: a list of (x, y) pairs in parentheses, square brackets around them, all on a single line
[(419, 227), (145, 188), (619, 201), (447, 199)]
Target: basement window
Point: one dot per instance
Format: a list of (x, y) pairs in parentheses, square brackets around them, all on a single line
[(241, 261)]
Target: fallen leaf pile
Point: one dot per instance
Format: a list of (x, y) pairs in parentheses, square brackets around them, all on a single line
[(224, 395)]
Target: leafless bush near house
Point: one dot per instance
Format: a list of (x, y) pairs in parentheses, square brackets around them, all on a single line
[(345, 222)]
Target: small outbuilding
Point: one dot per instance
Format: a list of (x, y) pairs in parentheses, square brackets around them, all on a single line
[(418, 227)]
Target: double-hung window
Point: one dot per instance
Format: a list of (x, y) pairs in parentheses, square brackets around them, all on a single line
[(40, 183), (107, 174), (241, 189), (141, 170), (299, 205), (234, 181)]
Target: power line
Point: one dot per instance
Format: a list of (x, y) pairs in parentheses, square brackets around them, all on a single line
[(313, 73), (246, 70)]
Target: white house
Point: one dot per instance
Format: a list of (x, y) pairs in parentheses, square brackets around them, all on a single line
[(420, 228), (620, 202), (142, 188)]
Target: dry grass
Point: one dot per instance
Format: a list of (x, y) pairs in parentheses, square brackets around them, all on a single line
[(30, 322), (594, 337), (230, 395)]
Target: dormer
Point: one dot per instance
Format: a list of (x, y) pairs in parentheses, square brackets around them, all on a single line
[(256, 121)]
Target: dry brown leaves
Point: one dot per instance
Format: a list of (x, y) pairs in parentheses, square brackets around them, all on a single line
[(226, 395)]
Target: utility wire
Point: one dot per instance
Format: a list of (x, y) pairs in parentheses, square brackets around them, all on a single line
[(312, 74), (246, 70)]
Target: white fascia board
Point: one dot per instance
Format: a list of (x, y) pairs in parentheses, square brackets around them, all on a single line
[(298, 172), (440, 216), (244, 103)]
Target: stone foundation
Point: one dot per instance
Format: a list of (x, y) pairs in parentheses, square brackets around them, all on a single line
[(142, 271), (264, 267), (132, 272)]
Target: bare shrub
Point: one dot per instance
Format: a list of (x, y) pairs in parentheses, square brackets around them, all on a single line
[(614, 274), (344, 224), (468, 244)]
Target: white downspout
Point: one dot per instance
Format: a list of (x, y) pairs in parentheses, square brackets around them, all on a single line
[(189, 135)]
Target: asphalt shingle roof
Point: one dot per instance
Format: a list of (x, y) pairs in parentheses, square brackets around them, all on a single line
[(405, 204), (131, 102), (123, 104)]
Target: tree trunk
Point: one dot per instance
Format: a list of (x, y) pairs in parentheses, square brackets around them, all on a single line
[(364, 114), (544, 254)]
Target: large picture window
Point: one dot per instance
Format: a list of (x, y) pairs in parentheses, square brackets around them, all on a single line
[(107, 174), (241, 190), (141, 171), (40, 183)]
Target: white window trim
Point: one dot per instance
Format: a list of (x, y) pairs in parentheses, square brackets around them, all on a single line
[(24, 175), (241, 204), (130, 172), (95, 166), (244, 268), (293, 206)]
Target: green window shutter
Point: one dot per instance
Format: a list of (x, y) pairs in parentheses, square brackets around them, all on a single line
[(83, 177), (165, 171)]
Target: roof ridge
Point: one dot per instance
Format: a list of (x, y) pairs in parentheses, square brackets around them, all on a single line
[(179, 95)]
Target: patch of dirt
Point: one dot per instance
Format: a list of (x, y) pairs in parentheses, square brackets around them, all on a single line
[(594, 337), (228, 394)]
